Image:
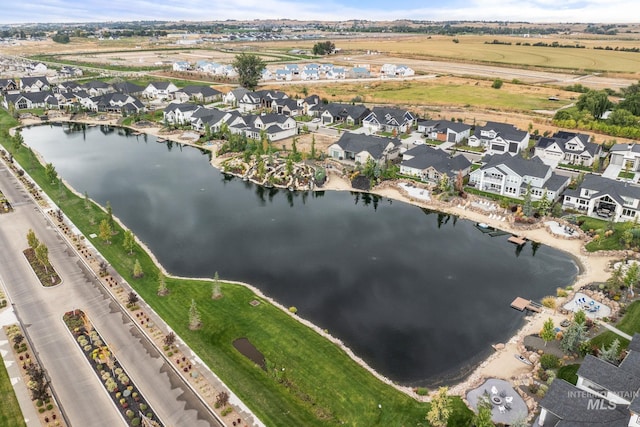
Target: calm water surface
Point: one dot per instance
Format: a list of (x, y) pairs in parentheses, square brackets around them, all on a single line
[(419, 295)]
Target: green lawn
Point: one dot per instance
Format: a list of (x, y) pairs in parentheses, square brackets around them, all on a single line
[(569, 373), (10, 413), (319, 386), (610, 243), (630, 323)]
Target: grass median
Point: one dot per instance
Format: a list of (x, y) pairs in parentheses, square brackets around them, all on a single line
[(309, 381)]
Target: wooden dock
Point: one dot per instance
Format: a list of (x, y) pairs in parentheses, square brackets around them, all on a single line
[(523, 304), (517, 240)]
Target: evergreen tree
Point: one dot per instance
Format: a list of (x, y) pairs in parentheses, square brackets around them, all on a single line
[(573, 336), (545, 204), (483, 417), (110, 216), (610, 354), (137, 270), (313, 147), (162, 285), (580, 317), (50, 172), (527, 205), (32, 240), (194, 316), (438, 415)]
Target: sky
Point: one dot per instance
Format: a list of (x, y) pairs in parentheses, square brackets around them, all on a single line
[(570, 11)]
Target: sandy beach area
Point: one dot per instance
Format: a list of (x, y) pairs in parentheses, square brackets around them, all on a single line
[(502, 363)]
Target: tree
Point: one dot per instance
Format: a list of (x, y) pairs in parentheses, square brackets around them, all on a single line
[(440, 410), (112, 223), (162, 286), (596, 102), (42, 255), (18, 141), (87, 202), (216, 293), (194, 316), (323, 48), (169, 339), (631, 277), (610, 354), (128, 241), (573, 336), (545, 204), (443, 183), (137, 270), (50, 172), (132, 299), (483, 417), (32, 240), (313, 147), (580, 317), (497, 84), (459, 185), (249, 68), (105, 231), (548, 332), (527, 205)]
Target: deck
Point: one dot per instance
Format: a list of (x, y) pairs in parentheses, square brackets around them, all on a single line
[(522, 304), (517, 240)]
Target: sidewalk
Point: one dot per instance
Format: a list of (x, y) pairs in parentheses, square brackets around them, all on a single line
[(7, 317)]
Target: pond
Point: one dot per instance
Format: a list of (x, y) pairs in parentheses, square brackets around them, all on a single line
[(419, 295)]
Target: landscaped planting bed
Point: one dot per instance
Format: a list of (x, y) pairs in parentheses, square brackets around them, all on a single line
[(114, 378)]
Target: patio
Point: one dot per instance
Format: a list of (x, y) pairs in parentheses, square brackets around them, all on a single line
[(592, 308), (506, 404)]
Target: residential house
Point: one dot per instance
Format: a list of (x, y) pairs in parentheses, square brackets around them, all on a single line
[(274, 126), (309, 102), (34, 84), (294, 68), (96, 88), (210, 67), (116, 103), (310, 74), (266, 75), (30, 100), (287, 107), (67, 71), (214, 119), (38, 67), (359, 148), (605, 395), (625, 157), (444, 130), (386, 119), (359, 73), (251, 101), (160, 90), (181, 66), (430, 164), (233, 96), (70, 86), (567, 147), (177, 113), (392, 71), (498, 138), (511, 176), (66, 99), (344, 113), (283, 75), (197, 93), (128, 88), (336, 73), (605, 198), (8, 85)]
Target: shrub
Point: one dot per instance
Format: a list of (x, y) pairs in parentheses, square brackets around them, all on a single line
[(422, 391), (226, 411), (130, 413), (497, 84), (49, 407), (561, 293), (293, 310), (549, 302), (549, 361), (143, 407), (135, 422)]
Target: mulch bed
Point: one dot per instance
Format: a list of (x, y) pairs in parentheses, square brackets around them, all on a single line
[(47, 276)]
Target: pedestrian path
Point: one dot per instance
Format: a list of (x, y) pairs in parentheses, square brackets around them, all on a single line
[(616, 331)]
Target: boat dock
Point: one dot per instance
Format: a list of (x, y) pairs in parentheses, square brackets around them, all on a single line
[(517, 240), (522, 304)]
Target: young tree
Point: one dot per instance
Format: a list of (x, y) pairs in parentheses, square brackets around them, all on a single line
[(610, 354), (137, 270), (313, 147), (18, 141), (162, 286), (527, 205), (459, 186), (42, 255), (50, 172), (169, 339), (440, 410), (32, 240), (132, 299), (87, 202), (128, 241), (580, 317), (110, 216), (632, 276), (483, 417), (548, 332), (195, 321), (443, 183), (38, 383), (105, 231), (249, 68), (545, 204), (216, 293)]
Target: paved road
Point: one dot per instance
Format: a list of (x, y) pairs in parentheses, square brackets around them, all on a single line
[(79, 390)]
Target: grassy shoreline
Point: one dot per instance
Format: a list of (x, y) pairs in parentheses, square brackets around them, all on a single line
[(319, 385)]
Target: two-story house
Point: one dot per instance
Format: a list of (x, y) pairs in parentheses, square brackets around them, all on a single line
[(177, 113), (359, 148), (386, 119), (511, 176), (444, 130), (567, 147), (499, 138), (344, 113), (605, 198), (429, 164)]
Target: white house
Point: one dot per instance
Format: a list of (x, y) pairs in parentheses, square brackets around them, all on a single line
[(181, 66), (567, 147), (429, 164), (444, 130), (176, 113), (605, 198), (30, 100), (336, 73), (499, 138), (359, 148), (625, 157), (34, 84), (387, 119), (510, 176), (159, 90)]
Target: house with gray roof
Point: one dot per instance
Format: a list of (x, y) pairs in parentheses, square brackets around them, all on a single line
[(97, 87), (233, 96), (159, 90), (605, 395), (386, 119), (274, 126), (128, 88), (116, 103), (197, 93), (605, 198), (499, 138), (359, 148), (214, 118), (343, 113), (288, 107), (34, 84), (30, 100), (178, 113), (511, 176), (8, 85), (625, 157), (567, 147), (429, 164), (444, 130)]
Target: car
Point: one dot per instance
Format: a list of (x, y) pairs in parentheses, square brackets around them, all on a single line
[(316, 120)]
